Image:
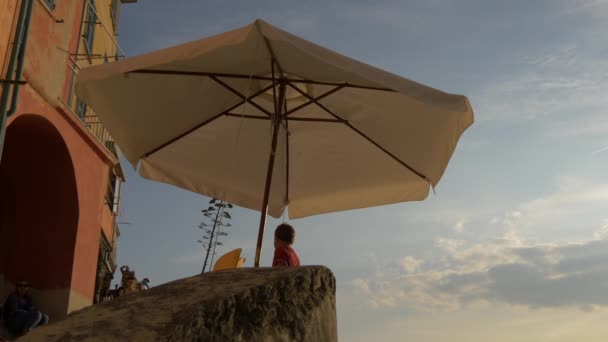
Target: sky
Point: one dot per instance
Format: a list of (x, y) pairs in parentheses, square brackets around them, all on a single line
[(514, 244)]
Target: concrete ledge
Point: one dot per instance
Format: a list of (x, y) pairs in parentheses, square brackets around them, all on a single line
[(284, 304)]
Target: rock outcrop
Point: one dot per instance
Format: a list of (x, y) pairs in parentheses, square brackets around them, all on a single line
[(247, 304)]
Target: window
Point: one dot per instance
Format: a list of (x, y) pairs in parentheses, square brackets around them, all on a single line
[(50, 4), (81, 109), (89, 29), (114, 6), (111, 193), (105, 269)]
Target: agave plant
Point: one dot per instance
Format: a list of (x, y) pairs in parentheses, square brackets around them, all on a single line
[(216, 217)]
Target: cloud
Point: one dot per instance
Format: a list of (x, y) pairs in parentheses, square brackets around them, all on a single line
[(555, 83), (575, 207), (603, 232), (530, 260), (564, 199), (603, 149), (361, 285), (410, 264), (505, 270), (579, 278), (516, 214), (459, 226)]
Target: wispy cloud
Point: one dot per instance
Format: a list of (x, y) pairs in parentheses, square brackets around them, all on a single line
[(410, 264), (566, 84), (527, 264), (507, 270), (459, 226), (600, 150), (574, 207)]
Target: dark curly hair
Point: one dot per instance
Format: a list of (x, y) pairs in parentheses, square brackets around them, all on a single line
[(285, 233)]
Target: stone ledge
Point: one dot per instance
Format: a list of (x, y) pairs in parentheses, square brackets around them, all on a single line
[(265, 304)]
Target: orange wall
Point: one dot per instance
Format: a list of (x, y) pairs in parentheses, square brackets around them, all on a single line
[(91, 171), (8, 21), (49, 46), (48, 79)]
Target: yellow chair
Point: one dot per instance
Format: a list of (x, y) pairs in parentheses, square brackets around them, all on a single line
[(229, 260)]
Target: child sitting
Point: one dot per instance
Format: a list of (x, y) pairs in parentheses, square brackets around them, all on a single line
[(284, 255)]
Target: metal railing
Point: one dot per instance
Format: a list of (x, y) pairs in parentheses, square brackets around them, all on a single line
[(85, 114), (95, 126)]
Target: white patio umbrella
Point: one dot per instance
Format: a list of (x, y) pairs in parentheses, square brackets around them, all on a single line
[(266, 120)]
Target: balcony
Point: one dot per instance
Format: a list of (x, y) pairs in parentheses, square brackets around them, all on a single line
[(97, 45)]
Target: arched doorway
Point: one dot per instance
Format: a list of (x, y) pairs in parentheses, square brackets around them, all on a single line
[(38, 205)]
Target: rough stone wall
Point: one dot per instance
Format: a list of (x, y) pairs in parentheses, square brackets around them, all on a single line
[(286, 304)]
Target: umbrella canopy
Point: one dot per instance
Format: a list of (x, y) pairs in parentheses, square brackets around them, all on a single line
[(263, 119)]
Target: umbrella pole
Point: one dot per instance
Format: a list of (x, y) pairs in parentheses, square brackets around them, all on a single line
[(258, 249), (273, 150)]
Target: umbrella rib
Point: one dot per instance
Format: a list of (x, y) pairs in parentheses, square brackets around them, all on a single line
[(238, 93), (316, 98), (345, 84), (361, 133), (245, 116), (317, 120), (257, 117), (254, 77), (203, 123), (213, 118), (199, 73)]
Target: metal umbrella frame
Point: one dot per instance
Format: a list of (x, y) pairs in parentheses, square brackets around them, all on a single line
[(280, 83)]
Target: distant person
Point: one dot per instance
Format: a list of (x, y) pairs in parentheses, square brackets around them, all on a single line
[(20, 314), (145, 284), (284, 255)]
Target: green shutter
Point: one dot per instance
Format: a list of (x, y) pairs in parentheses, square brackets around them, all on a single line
[(90, 24)]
